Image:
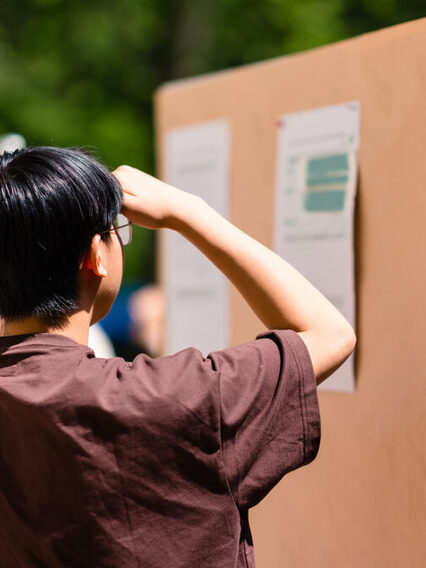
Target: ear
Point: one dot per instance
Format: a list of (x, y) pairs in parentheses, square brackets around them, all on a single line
[(93, 260)]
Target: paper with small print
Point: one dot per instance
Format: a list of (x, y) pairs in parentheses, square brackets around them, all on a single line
[(197, 293), (315, 198)]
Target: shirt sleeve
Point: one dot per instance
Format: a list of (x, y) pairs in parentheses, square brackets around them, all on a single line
[(270, 418)]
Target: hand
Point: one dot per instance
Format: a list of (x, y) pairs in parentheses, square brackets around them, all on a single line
[(147, 201)]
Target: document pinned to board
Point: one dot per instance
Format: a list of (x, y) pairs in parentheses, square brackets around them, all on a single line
[(316, 182), (197, 160)]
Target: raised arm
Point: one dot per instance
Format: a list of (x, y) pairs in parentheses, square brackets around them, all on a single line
[(279, 295)]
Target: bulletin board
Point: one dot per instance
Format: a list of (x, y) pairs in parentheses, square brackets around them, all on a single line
[(362, 502)]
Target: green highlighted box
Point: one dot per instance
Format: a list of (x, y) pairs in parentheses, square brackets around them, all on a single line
[(327, 165), (326, 177), (325, 200)]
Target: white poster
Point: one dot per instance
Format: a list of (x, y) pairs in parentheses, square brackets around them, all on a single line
[(315, 197), (197, 295)]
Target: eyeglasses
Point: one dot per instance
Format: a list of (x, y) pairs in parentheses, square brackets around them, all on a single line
[(123, 227)]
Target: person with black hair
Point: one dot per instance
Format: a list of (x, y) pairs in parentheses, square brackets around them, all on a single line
[(154, 462)]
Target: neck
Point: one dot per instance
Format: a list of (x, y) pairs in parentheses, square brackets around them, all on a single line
[(76, 327)]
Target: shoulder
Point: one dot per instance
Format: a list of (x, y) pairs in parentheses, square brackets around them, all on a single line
[(183, 380)]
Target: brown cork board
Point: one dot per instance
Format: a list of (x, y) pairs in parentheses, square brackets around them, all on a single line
[(362, 502)]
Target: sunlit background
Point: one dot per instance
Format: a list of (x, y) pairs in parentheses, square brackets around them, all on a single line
[(76, 73)]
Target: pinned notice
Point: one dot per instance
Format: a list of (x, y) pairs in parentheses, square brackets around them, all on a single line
[(315, 197), (197, 293)]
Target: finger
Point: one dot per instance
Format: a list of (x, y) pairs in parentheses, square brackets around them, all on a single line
[(129, 212), (125, 211), (129, 200)]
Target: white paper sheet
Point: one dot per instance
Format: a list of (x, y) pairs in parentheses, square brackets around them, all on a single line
[(315, 197), (197, 294)]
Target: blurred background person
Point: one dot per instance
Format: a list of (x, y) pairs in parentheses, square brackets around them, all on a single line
[(147, 310)]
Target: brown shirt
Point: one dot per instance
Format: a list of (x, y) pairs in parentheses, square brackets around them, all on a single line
[(153, 463)]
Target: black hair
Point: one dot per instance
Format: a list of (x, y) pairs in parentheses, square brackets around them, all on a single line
[(52, 202)]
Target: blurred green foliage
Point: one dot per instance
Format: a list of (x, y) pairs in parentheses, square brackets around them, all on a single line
[(76, 72)]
